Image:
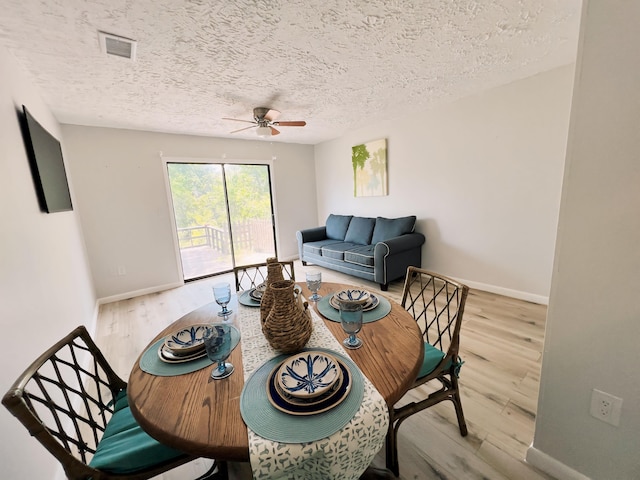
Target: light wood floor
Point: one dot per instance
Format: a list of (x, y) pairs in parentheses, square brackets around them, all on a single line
[(501, 345)]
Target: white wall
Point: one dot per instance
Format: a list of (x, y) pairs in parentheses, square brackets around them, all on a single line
[(483, 175), (45, 286), (123, 202), (593, 323)]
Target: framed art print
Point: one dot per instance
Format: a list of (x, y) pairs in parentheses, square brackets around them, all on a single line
[(369, 162)]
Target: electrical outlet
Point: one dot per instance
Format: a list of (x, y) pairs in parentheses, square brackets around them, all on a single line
[(606, 407)]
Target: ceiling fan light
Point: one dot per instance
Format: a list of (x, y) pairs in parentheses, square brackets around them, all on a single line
[(264, 132)]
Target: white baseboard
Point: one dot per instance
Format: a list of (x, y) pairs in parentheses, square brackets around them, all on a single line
[(507, 292), (551, 466), (137, 293), (486, 287)]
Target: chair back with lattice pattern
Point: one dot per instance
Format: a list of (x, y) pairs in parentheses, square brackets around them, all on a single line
[(65, 399), (250, 276), (437, 304)]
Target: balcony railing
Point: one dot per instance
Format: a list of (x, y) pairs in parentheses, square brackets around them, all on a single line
[(206, 250)]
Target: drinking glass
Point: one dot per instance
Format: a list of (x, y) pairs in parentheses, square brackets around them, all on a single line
[(217, 343), (314, 280), (351, 320), (222, 294)]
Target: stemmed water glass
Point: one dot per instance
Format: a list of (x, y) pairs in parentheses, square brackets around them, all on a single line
[(218, 345), (351, 321), (222, 294), (314, 280)]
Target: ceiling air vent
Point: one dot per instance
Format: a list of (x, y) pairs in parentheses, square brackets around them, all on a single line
[(118, 46)]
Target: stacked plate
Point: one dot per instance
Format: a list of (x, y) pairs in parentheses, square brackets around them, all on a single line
[(369, 300), (256, 293), (184, 345), (308, 383)]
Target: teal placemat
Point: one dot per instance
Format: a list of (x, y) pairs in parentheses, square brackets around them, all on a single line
[(382, 310), (246, 300), (151, 363), (272, 424)]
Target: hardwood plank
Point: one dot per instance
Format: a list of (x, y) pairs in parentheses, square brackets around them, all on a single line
[(507, 465)]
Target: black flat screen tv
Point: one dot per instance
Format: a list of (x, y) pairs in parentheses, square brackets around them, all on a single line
[(47, 166)]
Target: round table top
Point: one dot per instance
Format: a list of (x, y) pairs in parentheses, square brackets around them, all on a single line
[(201, 416)]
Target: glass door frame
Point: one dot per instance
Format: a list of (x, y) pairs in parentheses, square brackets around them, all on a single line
[(222, 162)]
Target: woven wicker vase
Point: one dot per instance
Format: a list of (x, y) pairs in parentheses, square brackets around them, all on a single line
[(288, 325), (274, 274)]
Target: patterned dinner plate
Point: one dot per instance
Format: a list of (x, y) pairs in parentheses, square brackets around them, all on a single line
[(168, 356), (186, 340), (353, 295), (256, 293), (308, 374), (367, 306), (327, 403), (335, 388)]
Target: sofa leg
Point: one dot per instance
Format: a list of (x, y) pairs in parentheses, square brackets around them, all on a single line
[(304, 263), (384, 287)]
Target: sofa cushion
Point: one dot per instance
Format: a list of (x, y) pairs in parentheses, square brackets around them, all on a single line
[(360, 255), (336, 250), (315, 248), (337, 226), (360, 230), (387, 228)]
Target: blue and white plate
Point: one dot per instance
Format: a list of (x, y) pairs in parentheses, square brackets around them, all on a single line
[(256, 293), (187, 340), (165, 355), (353, 295), (305, 402), (366, 306), (308, 374), (297, 407)]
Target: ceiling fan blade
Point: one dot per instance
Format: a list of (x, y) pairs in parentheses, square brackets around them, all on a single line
[(274, 131), (245, 128), (301, 123), (271, 115), (238, 120)]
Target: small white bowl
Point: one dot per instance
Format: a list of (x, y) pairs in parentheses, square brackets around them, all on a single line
[(308, 374), (353, 295)]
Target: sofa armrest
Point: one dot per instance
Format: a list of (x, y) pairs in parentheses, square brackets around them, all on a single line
[(393, 256), (399, 244), (309, 235), (312, 234)]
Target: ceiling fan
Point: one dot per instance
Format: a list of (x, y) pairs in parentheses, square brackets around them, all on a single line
[(266, 119)]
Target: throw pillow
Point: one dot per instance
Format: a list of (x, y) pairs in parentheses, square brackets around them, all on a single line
[(337, 226), (360, 230), (387, 228)]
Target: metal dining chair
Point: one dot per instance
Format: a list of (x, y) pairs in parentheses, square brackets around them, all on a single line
[(437, 304), (250, 276), (76, 406)]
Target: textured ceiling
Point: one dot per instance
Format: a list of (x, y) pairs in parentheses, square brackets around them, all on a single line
[(336, 64)]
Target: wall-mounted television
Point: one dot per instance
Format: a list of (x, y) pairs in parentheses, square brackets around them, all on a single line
[(47, 166)]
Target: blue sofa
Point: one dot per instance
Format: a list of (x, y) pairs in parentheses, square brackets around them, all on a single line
[(376, 249)]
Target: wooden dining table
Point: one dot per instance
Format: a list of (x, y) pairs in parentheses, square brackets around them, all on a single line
[(201, 416)]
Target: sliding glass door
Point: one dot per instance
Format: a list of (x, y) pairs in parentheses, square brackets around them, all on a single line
[(223, 215)]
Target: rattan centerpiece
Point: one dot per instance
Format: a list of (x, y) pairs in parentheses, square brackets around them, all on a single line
[(288, 326), (274, 274)]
